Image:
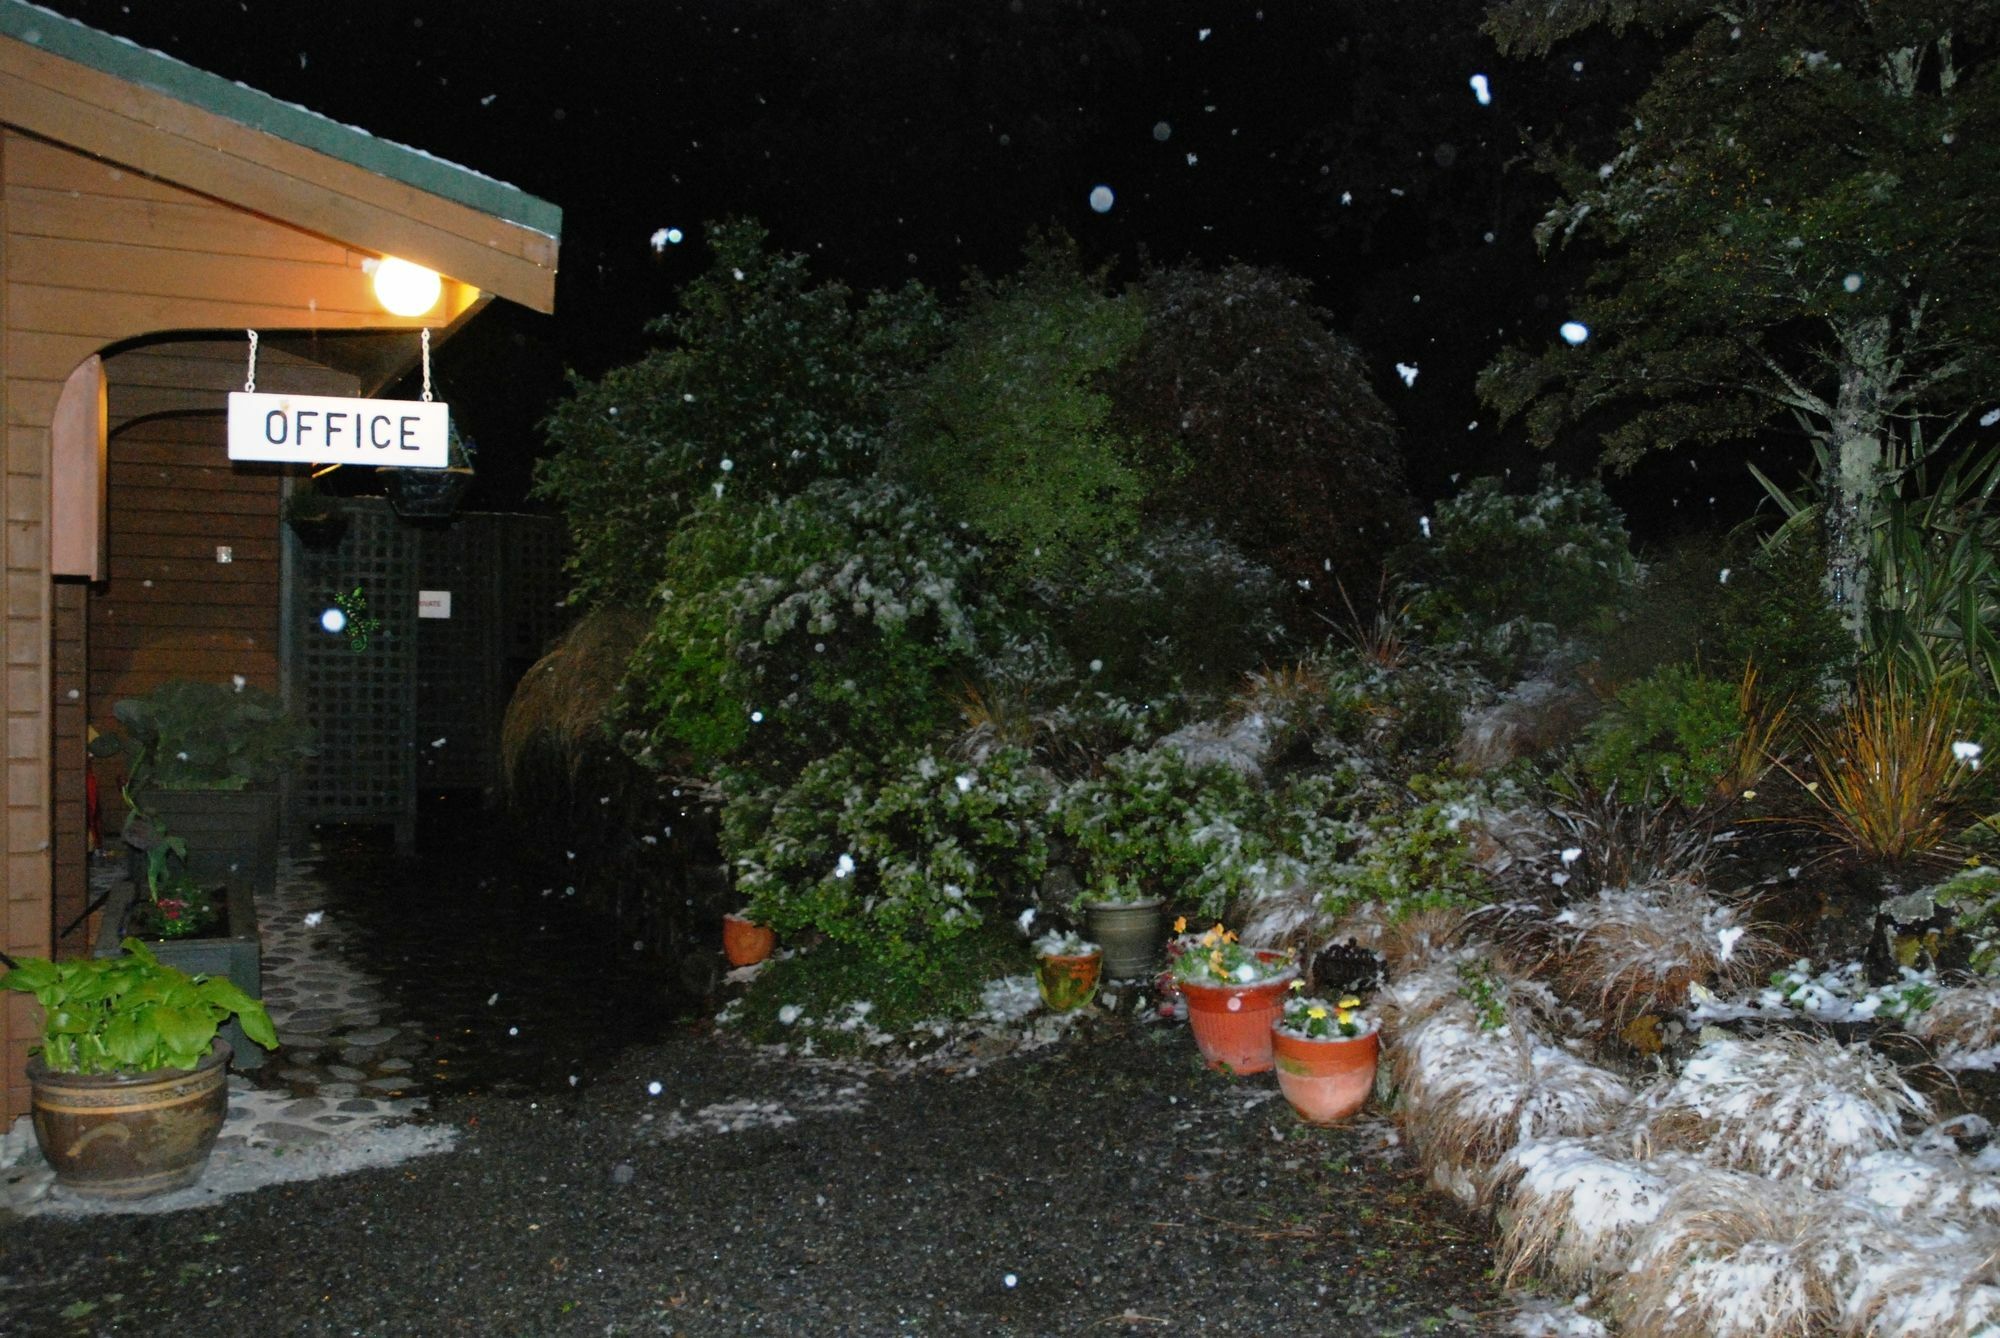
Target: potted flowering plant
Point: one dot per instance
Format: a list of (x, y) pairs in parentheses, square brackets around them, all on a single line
[(1233, 992), (1325, 1055), (1066, 969), (128, 1088)]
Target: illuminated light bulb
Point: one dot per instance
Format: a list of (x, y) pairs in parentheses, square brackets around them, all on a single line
[(334, 620), (406, 289)]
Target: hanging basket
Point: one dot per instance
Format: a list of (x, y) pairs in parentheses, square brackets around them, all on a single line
[(428, 494)]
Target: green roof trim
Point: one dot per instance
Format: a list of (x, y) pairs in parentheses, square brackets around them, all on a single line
[(127, 60)]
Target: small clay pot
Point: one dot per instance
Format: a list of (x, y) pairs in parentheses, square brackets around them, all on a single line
[(745, 942), (1068, 981)]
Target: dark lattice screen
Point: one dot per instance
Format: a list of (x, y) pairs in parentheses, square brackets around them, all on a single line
[(420, 709)]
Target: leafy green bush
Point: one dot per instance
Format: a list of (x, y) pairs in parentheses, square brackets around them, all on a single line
[(787, 629), (895, 858), (1973, 897), (1153, 826), (1510, 575), (1718, 603), (1180, 610), (766, 383), (1670, 735), (1414, 857), (837, 998), (1241, 377), (1008, 430)]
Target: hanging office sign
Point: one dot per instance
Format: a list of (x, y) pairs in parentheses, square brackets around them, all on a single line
[(330, 429)]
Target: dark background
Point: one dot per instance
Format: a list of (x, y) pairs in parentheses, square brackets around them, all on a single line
[(916, 138)]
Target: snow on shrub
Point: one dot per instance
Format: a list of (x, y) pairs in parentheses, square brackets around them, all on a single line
[(1574, 1205), (1785, 1105), (1729, 1256), (1964, 1024)]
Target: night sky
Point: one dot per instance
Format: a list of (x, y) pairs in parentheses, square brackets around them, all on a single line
[(923, 137)]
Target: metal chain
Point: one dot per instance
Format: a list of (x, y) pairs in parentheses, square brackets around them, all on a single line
[(427, 364), (250, 380)]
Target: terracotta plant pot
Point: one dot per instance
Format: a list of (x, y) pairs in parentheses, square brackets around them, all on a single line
[(1068, 982), (745, 942), (1329, 1078), (1129, 932), (129, 1135), (1232, 1023)]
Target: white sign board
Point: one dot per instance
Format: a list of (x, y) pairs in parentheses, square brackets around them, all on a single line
[(434, 603), (328, 429)]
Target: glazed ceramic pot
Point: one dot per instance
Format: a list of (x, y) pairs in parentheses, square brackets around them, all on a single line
[(1130, 932), (1067, 981), (129, 1135)]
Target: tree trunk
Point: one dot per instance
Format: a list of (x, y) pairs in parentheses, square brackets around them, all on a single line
[(1858, 436)]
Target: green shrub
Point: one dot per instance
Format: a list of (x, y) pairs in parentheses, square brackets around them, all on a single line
[(1510, 575), (1670, 735), (837, 997), (787, 629), (1008, 430), (766, 384), (896, 858), (1179, 611), (1973, 898), (1414, 857), (1153, 826)]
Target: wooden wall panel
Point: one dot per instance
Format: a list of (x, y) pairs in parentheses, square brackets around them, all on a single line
[(170, 609), (69, 672)]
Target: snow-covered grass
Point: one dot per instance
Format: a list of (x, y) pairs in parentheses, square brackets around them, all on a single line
[(1910, 1282), (1468, 1093), (1964, 1024), (1729, 1256), (1787, 1105), (1630, 951), (1574, 1205)]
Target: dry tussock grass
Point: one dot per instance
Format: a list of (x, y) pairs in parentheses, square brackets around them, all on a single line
[(1409, 943), (564, 698), (1907, 1277), (1573, 1206), (1965, 1019), (1786, 1106), (1633, 951), (1930, 1187), (1466, 1095), (1729, 1256)]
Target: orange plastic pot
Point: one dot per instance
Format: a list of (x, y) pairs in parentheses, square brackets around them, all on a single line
[(1326, 1079), (745, 942), (1068, 982), (1232, 1023)]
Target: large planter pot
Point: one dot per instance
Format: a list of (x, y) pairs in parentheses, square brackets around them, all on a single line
[(232, 835), (1328, 1078), (1068, 981), (1130, 932), (235, 952), (1232, 1023), (745, 942), (129, 1135)]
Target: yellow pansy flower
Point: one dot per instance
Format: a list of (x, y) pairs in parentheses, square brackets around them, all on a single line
[(1180, 924)]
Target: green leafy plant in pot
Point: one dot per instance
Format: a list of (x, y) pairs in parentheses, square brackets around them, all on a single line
[(128, 1086), (200, 759)]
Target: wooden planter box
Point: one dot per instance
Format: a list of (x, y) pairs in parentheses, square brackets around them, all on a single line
[(231, 835), (236, 953)]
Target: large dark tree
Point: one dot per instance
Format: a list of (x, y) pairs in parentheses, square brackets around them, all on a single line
[(1796, 230), (1280, 439)]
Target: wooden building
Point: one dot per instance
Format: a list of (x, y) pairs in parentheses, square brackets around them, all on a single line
[(151, 214)]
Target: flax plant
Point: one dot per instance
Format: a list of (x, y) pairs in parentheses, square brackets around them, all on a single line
[(1888, 780)]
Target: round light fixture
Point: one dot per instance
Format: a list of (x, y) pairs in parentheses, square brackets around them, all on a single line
[(405, 289), (334, 620)]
